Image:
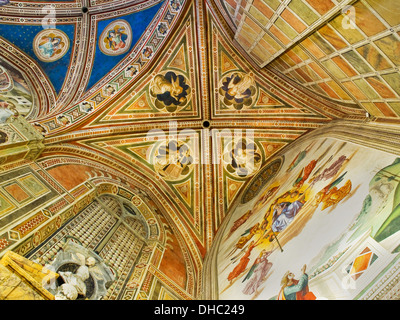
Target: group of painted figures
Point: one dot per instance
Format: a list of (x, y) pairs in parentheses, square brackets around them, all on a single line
[(275, 229)]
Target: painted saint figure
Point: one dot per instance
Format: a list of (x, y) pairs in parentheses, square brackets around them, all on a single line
[(239, 84), (292, 289), (169, 91), (238, 90), (257, 272), (284, 214), (174, 160), (116, 38)]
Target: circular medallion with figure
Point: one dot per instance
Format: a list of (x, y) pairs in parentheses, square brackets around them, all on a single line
[(242, 158), (50, 45), (173, 160), (238, 90), (116, 38), (170, 91)]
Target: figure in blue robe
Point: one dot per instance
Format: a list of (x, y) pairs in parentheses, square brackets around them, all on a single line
[(284, 214)]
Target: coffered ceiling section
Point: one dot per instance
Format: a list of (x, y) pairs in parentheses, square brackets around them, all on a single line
[(344, 50), (352, 60)]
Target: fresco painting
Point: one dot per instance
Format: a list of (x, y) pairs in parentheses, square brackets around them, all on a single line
[(170, 91), (50, 45), (238, 90), (173, 160), (323, 228), (242, 158), (116, 38), (15, 92)]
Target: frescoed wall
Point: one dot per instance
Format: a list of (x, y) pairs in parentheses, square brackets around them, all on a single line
[(324, 224), (15, 89)]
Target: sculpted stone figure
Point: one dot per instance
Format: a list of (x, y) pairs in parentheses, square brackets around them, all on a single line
[(66, 292), (73, 282)]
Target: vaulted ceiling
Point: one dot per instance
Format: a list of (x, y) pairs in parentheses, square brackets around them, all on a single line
[(304, 63)]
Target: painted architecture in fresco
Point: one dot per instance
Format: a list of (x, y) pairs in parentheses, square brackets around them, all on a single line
[(176, 149)]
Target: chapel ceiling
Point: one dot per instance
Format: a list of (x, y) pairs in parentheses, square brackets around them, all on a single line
[(184, 72)]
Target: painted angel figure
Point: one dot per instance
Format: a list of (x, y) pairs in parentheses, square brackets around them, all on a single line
[(257, 272), (243, 240), (244, 260)]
